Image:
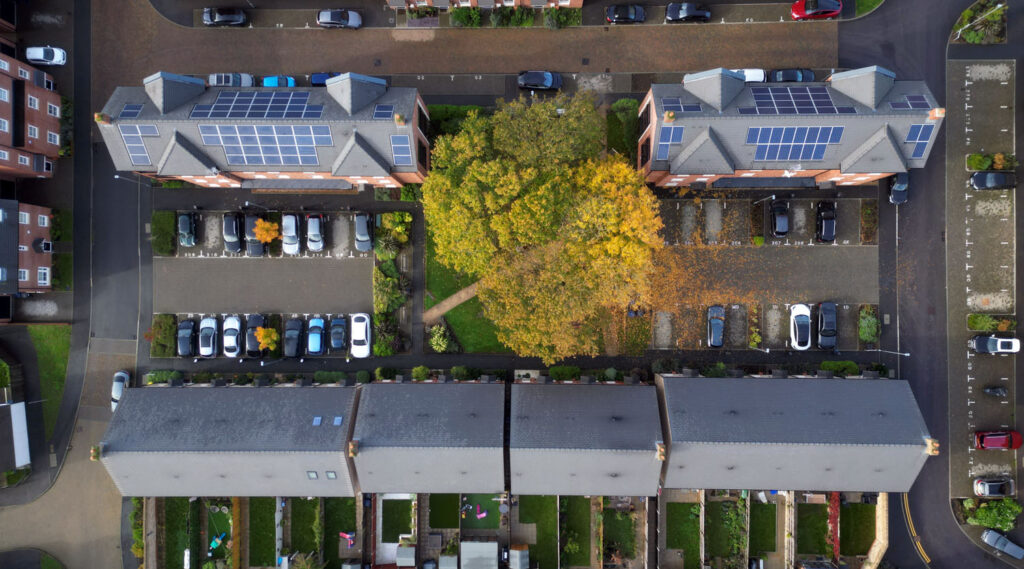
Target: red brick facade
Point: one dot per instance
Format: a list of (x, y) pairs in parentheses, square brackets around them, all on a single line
[(35, 257), (29, 121), (497, 4)]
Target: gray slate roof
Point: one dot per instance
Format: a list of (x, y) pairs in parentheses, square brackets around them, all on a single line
[(444, 438), (716, 87), (229, 441), (705, 154), (9, 246), (793, 434), (584, 439)]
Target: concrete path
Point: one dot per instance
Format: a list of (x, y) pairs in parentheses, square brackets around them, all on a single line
[(431, 316)]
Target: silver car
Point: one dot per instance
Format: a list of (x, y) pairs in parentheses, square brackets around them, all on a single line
[(315, 233), (117, 388), (208, 337), (363, 240), (232, 336), (231, 80), (290, 234)]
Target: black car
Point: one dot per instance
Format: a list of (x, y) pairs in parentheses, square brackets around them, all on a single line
[(253, 247), (716, 326), (791, 75), (825, 225), (293, 338), (780, 217), (252, 343), (625, 14), (996, 391), (540, 80), (231, 230), (339, 333), (224, 17), (186, 338), (828, 328), (993, 181), (186, 230), (899, 188), (687, 12)]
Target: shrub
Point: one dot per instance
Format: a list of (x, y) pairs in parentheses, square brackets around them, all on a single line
[(382, 194), (362, 376), (1001, 161), (396, 223), (161, 336), (626, 111), (387, 336), (978, 161), (162, 232), (465, 17), (500, 17), (420, 373), (523, 17), (868, 327), (556, 18), (715, 370), (982, 322), (840, 367), (460, 373), (665, 365), (563, 373), (385, 373), (387, 292), (611, 374), (447, 119), (162, 376), (386, 247), (330, 376), (441, 340), (758, 240), (138, 537), (412, 193), (997, 514), (5, 374)]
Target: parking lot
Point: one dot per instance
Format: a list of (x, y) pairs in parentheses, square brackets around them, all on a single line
[(338, 236)]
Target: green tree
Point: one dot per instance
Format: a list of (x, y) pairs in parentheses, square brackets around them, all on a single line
[(998, 514)]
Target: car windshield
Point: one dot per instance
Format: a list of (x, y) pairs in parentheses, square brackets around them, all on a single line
[(996, 440), (716, 327), (48, 54), (184, 333), (993, 179), (313, 229), (206, 338), (803, 328)]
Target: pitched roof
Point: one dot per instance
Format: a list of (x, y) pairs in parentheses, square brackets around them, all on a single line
[(793, 434), (354, 91), (879, 153), (184, 158), (867, 85), (704, 155), (716, 87), (9, 245), (358, 158), (168, 91)]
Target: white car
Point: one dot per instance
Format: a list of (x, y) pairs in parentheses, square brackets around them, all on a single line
[(800, 326), (46, 56), (315, 233), (208, 337), (232, 336), (290, 234), (752, 75), (117, 388), (231, 80), (360, 332)]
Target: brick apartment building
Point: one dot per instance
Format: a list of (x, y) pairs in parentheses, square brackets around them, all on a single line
[(355, 131), (29, 118), (485, 4), (715, 130), (26, 249)]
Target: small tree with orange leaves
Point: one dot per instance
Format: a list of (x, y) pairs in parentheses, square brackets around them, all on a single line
[(267, 337), (266, 231)]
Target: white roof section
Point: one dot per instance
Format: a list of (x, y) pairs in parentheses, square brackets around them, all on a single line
[(479, 554)]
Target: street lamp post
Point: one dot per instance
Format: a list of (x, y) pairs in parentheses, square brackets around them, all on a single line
[(904, 354), (254, 204), (771, 197), (132, 180), (765, 350)]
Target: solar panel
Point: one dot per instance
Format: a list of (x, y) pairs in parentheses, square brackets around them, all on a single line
[(691, 108), (132, 135), (383, 111), (911, 102), (672, 104), (288, 145), (793, 101), (669, 135), (792, 142), (401, 149), (130, 111), (919, 135), (259, 105)]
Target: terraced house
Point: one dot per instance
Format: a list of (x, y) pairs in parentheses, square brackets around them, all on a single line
[(29, 118)]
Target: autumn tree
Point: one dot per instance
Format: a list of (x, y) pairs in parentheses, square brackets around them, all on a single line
[(267, 337), (266, 231)]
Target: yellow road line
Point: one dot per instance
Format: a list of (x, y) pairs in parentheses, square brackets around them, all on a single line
[(913, 531)]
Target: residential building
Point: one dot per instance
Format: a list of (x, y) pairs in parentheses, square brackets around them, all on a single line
[(791, 434), (26, 248), (584, 440), (483, 4), (355, 131), (29, 118), (714, 130), (230, 441), (430, 438)]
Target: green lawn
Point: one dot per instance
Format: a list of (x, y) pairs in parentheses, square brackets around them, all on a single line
[(619, 533), (163, 232), (62, 225), (53, 343), (543, 511), (261, 532), (396, 520), (722, 535), (856, 528), (444, 511), (339, 515), (63, 274), (304, 514), (48, 562), (577, 521), (176, 532), (811, 528), (486, 502), (863, 7), (762, 528), (684, 531), (218, 523), (474, 332)]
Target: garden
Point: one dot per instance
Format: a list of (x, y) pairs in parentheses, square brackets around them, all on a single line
[(856, 528), (984, 22), (218, 528), (444, 511), (812, 529), (683, 532), (619, 534), (306, 531), (261, 532), (339, 516), (391, 288), (725, 526), (396, 520), (53, 345), (762, 528), (480, 511), (543, 511), (181, 525), (574, 512)]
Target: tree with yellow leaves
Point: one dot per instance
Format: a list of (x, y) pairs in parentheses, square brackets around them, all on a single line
[(267, 337), (266, 231)]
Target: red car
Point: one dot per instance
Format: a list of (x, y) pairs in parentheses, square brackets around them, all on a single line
[(997, 439), (816, 9)]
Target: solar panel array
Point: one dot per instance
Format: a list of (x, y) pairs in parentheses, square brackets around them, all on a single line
[(793, 101), (676, 104), (259, 105), (793, 143), (383, 111), (268, 144), (130, 111), (401, 149), (132, 135), (911, 102), (669, 135), (919, 136)]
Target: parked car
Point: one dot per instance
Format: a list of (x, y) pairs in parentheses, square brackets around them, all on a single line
[(625, 14), (993, 180), (208, 337), (999, 541), (253, 247), (230, 228), (320, 79), (780, 217), (687, 12), (752, 75), (828, 327), (992, 487), (825, 222), (224, 17), (899, 188), (252, 343), (315, 337), (791, 75), (816, 9), (47, 55), (800, 326), (992, 344), (540, 80), (186, 338), (315, 232), (339, 327), (292, 338), (117, 388), (339, 18), (231, 80), (278, 81), (290, 234), (996, 391), (360, 343), (186, 230), (364, 241), (232, 336), (716, 326), (1005, 440)]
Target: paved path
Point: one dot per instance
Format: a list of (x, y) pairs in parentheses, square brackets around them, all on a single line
[(435, 312)]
